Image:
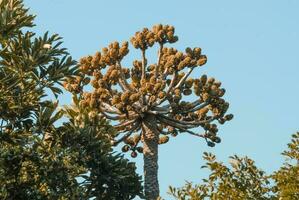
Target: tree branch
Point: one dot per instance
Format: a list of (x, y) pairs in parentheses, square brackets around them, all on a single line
[(122, 80), (195, 134), (110, 109), (158, 62), (143, 64), (136, 127), (117, 117), (184, 78), (188, 124), (173, 123), (194, 108), (175, 73), (124, 124)]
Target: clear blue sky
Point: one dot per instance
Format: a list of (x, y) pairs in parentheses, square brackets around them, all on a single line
[(252, 47)]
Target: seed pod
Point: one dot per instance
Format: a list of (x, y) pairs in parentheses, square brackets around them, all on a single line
[(203, 79), (174, 133), (94, 83), (197, 51), (115, 99), (187, 92), (221, 121), (189, 82), (221, 92), (189, 51), (211, 144), (202, 60), (164, 139), (133, 154), (134, 97), (86, 80), (228, 117), (125, 97), (216, 139), (177, 98), (211, 80), (161, 94), (125, 148), (139, 149), (129, 141), (119, 106)]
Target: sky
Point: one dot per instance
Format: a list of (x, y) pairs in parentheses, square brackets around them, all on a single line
[(252, 48)]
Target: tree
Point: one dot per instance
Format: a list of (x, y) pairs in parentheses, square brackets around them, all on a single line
[(40, 159), (287, 177), (243, 180), (148, 99), (106, 175)]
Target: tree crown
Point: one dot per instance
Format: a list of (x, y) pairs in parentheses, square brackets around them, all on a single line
[(129, 94)]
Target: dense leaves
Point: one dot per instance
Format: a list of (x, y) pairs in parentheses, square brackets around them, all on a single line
[(287, 177), (40, 159), (242, 180)]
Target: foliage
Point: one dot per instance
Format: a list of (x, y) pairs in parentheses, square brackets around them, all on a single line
[(107, 176), (287, 177), (245, 181), (38, 158)]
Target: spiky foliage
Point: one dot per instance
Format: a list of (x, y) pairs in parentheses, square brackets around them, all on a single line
[(242, 180), (287, 177), (38, 159), (147, 100), (128, 94)]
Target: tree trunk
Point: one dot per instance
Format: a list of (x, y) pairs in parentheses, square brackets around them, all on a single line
[(150, 139)]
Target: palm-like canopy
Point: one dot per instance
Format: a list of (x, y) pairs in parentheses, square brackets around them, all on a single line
[(147, 99)]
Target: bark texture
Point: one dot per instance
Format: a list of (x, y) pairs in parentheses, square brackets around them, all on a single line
[(150, 139)]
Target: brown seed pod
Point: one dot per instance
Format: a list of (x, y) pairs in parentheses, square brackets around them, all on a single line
[(189, 51), (129, 141), (228, 117), (134, 97), (133, 154), (203, 79), (174, 133), (189, 83), (161, 95), (221, 121), (119, 106), (125, 97), (202, 60), (139, 149), (197, 51), (125, 148), (187, 92), (86, 80), (163, 139), (115, 99), (94, 83)]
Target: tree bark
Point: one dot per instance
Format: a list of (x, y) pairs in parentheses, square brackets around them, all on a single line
[(150, 139)]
